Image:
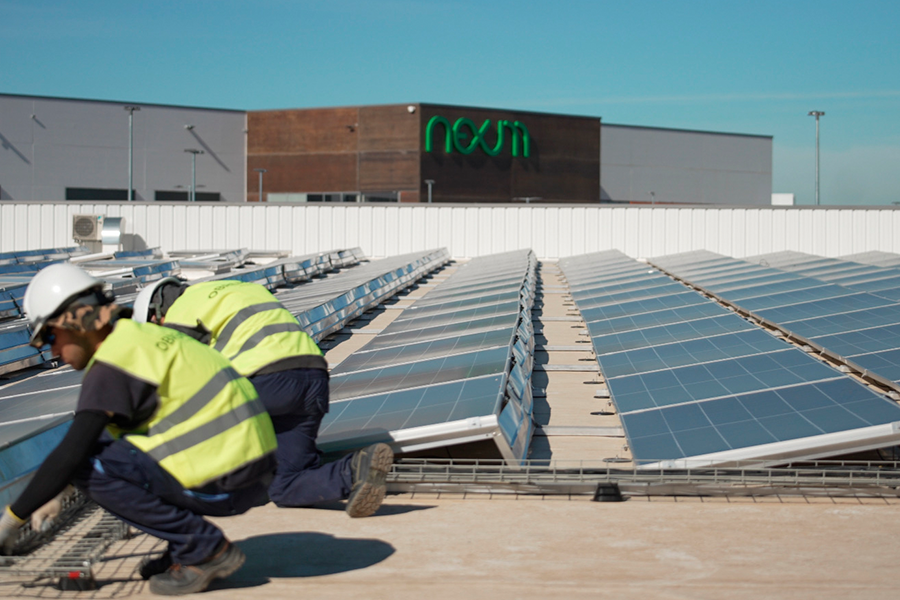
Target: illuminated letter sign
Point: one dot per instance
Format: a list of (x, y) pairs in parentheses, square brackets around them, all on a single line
[(464, 136)]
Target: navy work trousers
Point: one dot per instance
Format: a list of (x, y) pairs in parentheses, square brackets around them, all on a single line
[(129, 484), (297, 400)]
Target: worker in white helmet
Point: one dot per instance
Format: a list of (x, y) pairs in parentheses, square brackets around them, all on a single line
[(264, 341), (188, 435)]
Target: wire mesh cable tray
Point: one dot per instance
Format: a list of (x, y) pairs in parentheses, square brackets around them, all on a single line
[(70, 549), (881, 479)]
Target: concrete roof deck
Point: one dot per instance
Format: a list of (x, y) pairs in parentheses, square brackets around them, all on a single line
[(441, 545)]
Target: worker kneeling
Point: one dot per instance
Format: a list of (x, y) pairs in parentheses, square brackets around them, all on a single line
[(264, 342), (188, 434)]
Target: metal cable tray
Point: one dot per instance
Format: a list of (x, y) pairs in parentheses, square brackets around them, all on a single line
[(69, 550), (823, 478)]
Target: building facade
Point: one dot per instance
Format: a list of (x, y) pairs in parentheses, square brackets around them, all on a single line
[(413, 152), (676, 166), (67, 149), (54, 149)]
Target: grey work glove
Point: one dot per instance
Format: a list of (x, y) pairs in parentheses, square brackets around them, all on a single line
[(9, 531), (43, 518)]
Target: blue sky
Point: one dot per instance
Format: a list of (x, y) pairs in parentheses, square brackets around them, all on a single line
[(754, 66)]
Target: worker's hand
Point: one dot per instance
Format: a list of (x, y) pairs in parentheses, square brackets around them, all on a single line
[(43, 518), (9, 530)]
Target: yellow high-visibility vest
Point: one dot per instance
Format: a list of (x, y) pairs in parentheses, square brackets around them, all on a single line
[(209, 422), (248, 324)]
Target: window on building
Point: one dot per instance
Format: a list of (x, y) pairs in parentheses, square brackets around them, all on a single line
[(96, 194), (178, 196)]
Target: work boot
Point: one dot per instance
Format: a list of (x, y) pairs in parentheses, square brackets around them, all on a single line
[(368, 468), (190, 579), (154, 566)]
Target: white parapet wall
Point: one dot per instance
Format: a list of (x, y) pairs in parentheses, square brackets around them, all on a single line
[(465, 230)]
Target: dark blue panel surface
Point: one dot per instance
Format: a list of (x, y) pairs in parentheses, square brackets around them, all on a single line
[(697, 382), (820, 308), (660, 317), (436, 320), (458, 304), (423, 351), (745, 280), (388, 339), (851, 321), (666, 288), (665, 334), (602, 288), (886, 364), (747, 420), (372, 417), (865, 341), (892, 294), (636, 307), (796, 297), (426, 372), (742, 295), (691, 352)]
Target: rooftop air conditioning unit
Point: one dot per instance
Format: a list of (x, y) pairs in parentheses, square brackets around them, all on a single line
[(87, 228)]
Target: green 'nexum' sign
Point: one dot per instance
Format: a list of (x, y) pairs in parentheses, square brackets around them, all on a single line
[(455, 136)]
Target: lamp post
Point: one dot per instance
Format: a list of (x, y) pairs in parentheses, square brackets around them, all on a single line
[(193, 152), (817, 114), (429, 183), (131, 110), (260, 171), (652, 198)]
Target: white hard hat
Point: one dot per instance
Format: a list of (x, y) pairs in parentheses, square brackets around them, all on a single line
[(144, 301), (51, 290)]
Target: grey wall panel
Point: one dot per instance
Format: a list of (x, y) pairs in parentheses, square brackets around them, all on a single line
[(466, 231), (54, 143), (684, 166)]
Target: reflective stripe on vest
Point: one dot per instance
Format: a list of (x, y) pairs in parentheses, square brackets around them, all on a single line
[(207, 431), (209, 422), (248, 324), (190, 408), (257, 338), (237, 320)]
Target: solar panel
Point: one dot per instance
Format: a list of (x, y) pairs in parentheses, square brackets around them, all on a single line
[(854, 317), (802, 420), (419, 373), (690, 394), (455, 371), (325, 306), (636, 307), (707, 380), (399, 337), (671, 355), (644, 320), (375, 358), (664, 334), (415, 418), (36, 408)]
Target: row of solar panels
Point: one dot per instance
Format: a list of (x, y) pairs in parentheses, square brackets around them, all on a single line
[(847, 309), (696, 384), (35, 411), (333, 302), (127, 272), (12, 262), (452, 369)]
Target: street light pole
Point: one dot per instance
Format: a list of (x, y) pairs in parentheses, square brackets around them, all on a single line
[(817, 114), (131, 110), (260, 171), (429, 183), (193, 152)]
